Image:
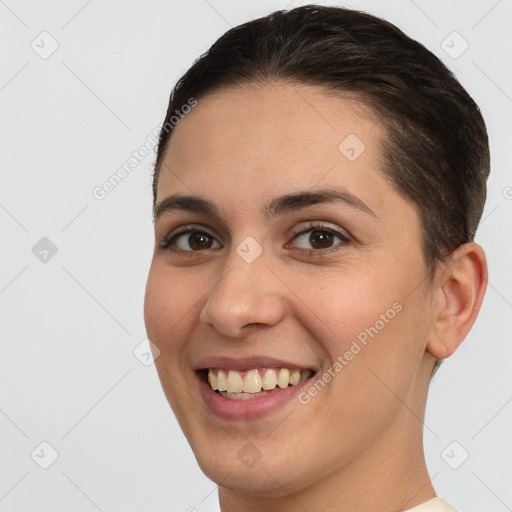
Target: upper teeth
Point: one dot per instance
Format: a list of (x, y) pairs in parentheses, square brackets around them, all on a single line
[(255, 380)]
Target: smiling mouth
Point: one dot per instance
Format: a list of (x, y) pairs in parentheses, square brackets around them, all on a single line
[(235, 385)]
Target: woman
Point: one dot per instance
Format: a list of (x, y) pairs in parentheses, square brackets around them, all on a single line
[(319, 180)]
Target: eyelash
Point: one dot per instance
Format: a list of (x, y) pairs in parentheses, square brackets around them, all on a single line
[(169, 240)]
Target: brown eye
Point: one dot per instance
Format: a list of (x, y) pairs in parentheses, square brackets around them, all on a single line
[(320, 239), (199, 241), (190, 241)]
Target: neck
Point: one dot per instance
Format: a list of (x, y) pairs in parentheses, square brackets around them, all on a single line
[(390, 474)]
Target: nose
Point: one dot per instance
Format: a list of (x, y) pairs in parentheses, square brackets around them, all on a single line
[(247, 294)]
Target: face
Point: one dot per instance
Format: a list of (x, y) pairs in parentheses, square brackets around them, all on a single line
[(303, 258)]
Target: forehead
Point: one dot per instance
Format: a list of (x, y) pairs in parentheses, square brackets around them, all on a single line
[(273, 138), (272, 114)]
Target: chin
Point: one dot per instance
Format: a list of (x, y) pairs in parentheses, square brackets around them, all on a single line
[(262, 479), (240, 466)]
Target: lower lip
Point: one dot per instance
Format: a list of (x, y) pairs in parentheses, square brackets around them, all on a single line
[(230, 409)]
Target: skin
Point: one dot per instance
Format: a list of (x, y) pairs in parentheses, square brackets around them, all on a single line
[(358, 443)]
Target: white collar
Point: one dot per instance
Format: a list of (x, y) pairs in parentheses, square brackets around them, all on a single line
[(436, 504)]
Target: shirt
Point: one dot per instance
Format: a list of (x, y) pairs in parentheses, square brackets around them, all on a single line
[(436, 504)]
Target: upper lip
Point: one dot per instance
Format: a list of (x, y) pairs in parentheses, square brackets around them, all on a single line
[(249, 363)]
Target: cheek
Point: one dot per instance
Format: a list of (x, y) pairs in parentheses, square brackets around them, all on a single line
[(381, 333), (154, 311), (348, 306), (165, 315), (167, 303), (369, 325)]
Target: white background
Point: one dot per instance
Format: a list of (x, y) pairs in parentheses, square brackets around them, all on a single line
[(69, 326)]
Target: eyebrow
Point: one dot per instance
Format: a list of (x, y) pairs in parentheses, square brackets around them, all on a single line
[(278, 206)]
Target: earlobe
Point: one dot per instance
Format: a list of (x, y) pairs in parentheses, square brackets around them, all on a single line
[(462, 282)]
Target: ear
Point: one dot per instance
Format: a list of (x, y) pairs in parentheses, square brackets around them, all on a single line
[(459, 289)]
